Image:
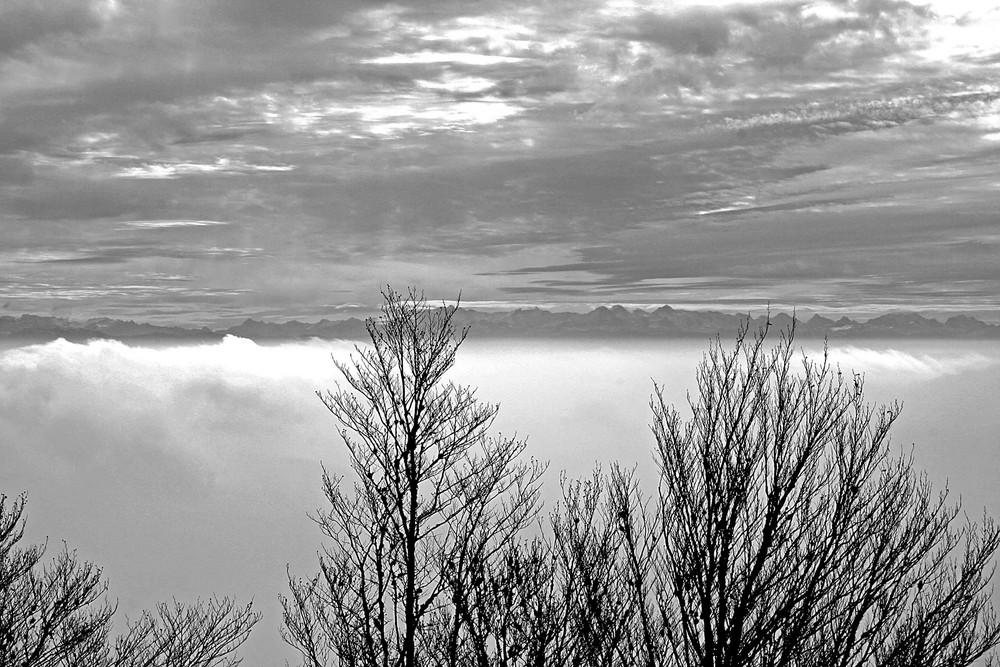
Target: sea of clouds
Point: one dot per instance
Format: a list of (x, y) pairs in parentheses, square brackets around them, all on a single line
[(188, 470)]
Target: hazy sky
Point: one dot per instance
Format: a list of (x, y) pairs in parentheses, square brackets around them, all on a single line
[(201, 160)]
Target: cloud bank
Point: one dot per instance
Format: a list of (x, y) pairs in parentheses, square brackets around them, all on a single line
[(188, 470), (181, 471)]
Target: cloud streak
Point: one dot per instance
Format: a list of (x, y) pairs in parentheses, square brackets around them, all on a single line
[(904, 364)]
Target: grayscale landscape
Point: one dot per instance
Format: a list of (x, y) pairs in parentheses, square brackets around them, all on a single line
[(202, 203)]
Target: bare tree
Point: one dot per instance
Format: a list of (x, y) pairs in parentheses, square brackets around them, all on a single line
[(791, 535), (785, 530), (525, 606), (435, 509), (50, 614), (204, 634), (605, 540), (57, 615)]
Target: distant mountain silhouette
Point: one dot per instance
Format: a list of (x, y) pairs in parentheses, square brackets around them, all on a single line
[(616, 321), (667, 322)]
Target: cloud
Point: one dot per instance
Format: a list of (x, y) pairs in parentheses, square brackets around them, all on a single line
[(15, 170), (60, 199), (917, 366), (124, 253), (696, 31), (361, 137), (199, 420), (834, 35), (26, 22), (765, 48), (839, 116), (156, 72), (182, 471), (162, 297), (169, 224), (219, 166), (188, 470), (263, 14), (188, 417), (438, 58)]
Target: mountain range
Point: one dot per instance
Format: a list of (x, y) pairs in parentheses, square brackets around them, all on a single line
[(616, 321)]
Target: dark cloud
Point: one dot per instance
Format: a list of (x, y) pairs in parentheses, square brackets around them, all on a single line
[(794, 255), (61, 199), (317, 14), (19, 133), (126, 253), (268, 14), (870, 29), (698, 31), (26, 22), (784, 35), (889, 9), (15, 170)]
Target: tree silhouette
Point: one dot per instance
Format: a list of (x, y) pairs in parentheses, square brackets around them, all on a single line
[(784, 531), (56, 614), (436, 505), (791, 535)]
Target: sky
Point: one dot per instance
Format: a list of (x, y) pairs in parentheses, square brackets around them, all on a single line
[(201, 161)]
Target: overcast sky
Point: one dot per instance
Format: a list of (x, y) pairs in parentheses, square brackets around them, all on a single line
[(196, 161)]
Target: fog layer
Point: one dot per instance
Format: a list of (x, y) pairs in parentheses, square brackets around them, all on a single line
[(190, 470)]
